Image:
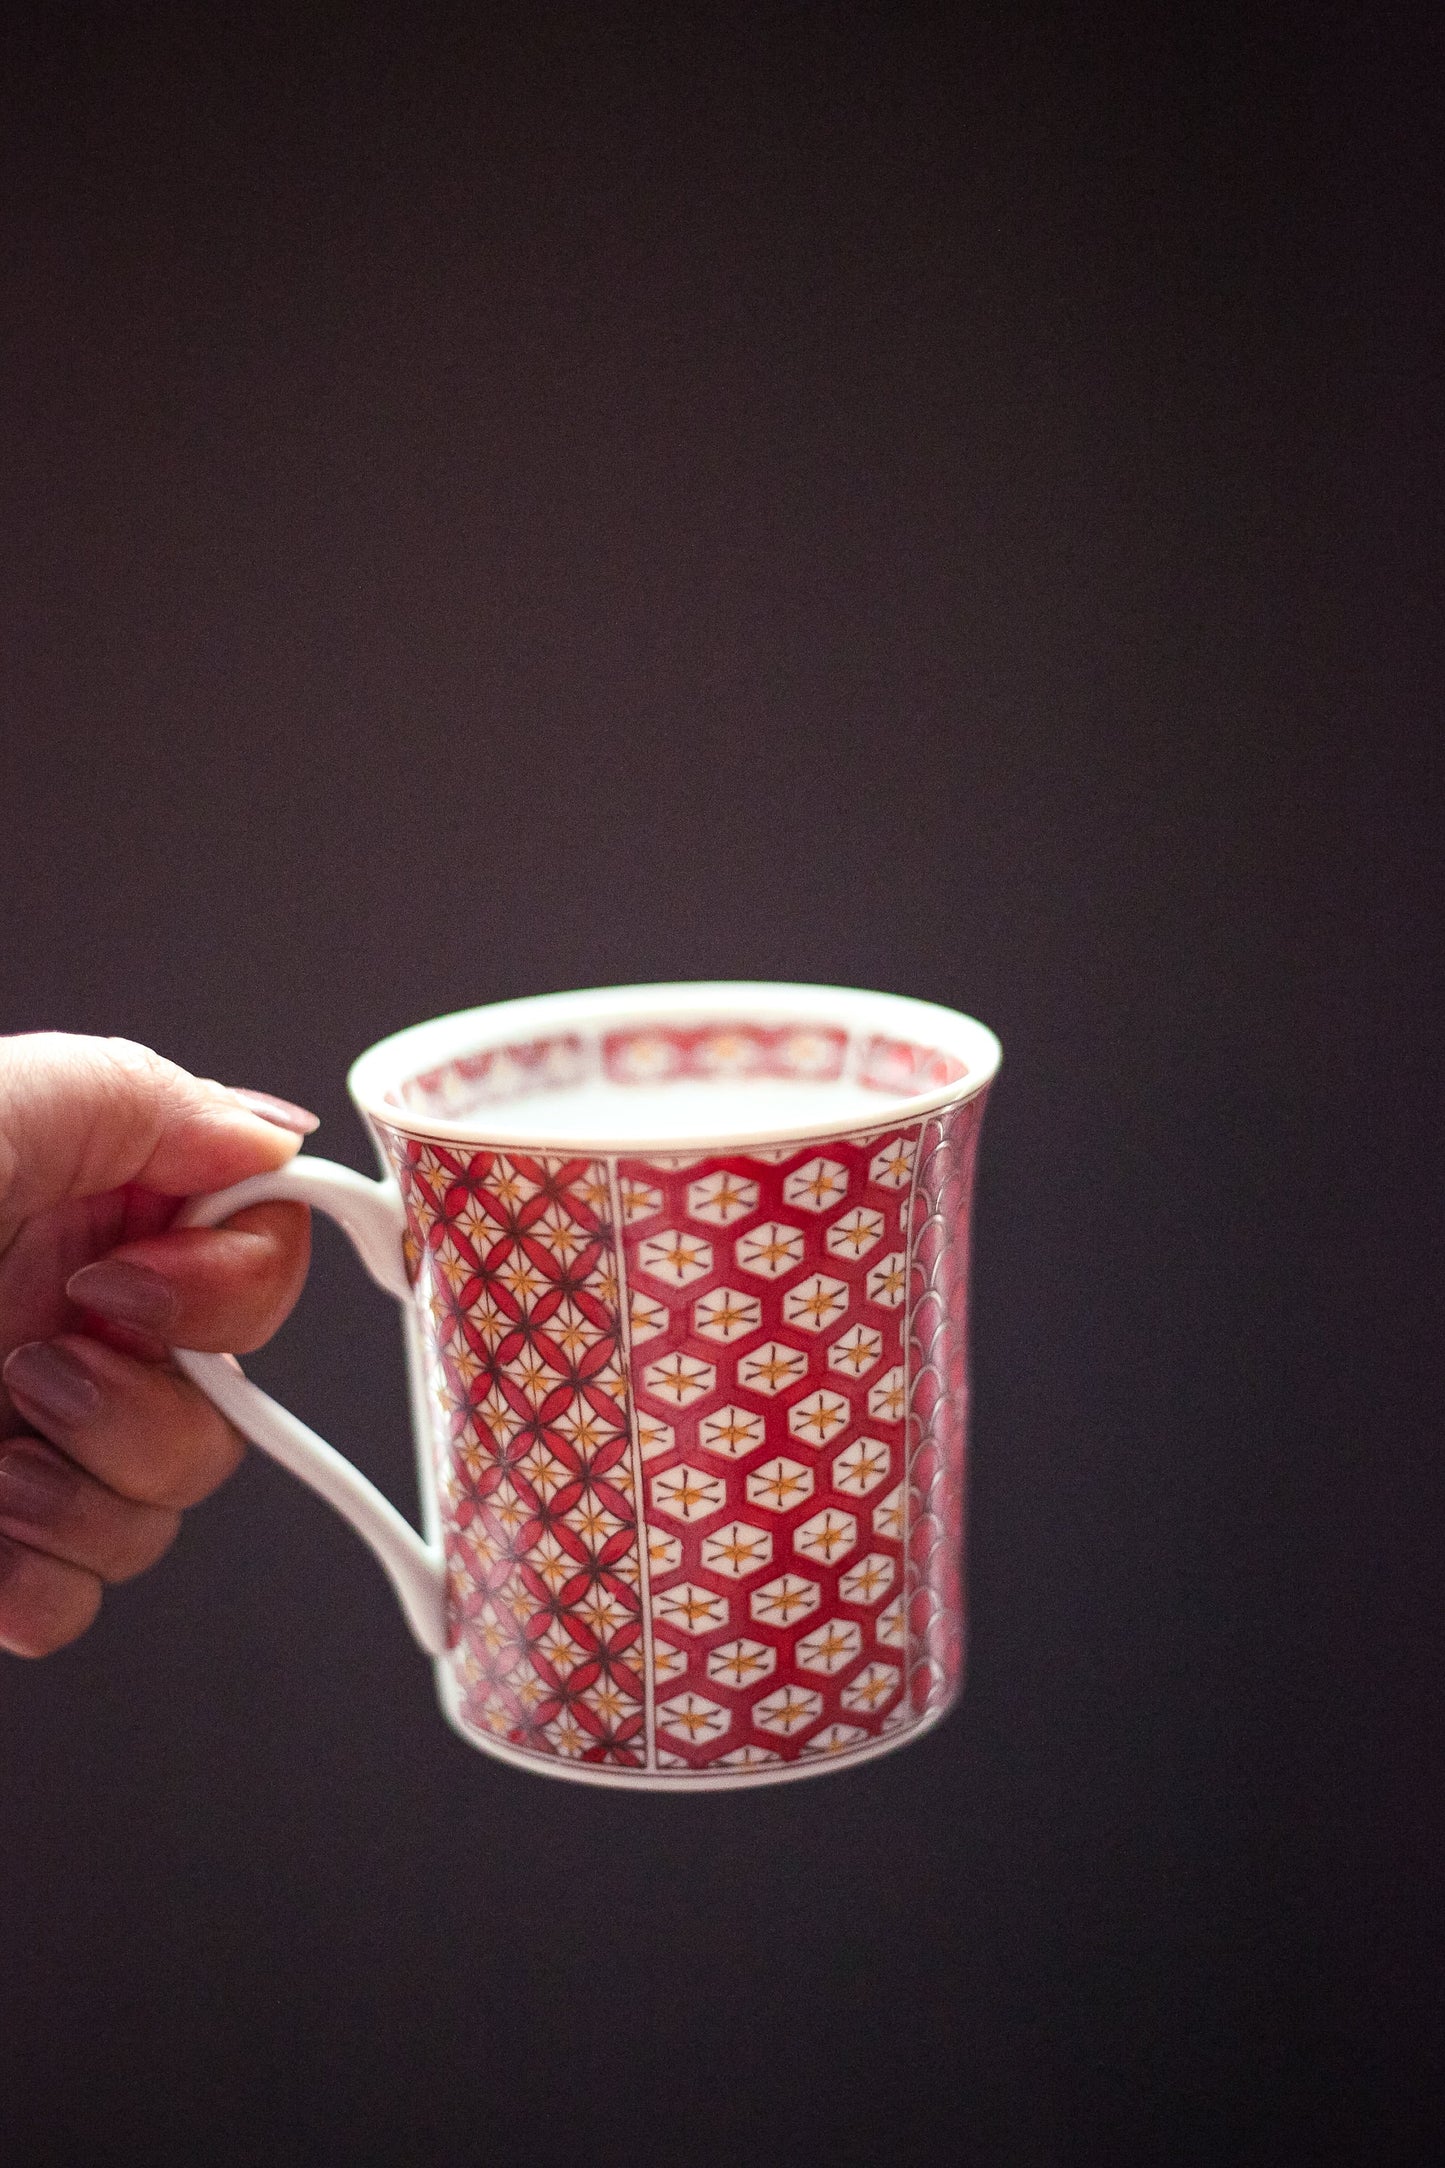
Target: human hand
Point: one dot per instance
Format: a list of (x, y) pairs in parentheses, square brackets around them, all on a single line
[(102, 1442)]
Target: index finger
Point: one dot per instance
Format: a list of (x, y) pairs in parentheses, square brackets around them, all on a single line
[(80, 1116)]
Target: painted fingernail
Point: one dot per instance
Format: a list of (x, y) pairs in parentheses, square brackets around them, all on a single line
[(33, 1486), (281, 1113), (127, 1294), (50, 1384)]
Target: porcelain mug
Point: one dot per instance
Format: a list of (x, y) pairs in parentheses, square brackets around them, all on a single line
[(684, 1278)]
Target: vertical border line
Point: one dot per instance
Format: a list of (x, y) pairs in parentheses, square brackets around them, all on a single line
[(644, 1571), (909, 1430)]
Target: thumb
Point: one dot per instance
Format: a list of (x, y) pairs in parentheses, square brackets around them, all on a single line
[(79, 1116)]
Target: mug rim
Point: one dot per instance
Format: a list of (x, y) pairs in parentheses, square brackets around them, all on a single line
[(419, 1047)]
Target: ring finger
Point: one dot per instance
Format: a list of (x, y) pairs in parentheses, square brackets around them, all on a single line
[(138, 1428), (54, 1507)]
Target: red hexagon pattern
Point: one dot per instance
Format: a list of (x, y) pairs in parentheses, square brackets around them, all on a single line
[(700, 1433)]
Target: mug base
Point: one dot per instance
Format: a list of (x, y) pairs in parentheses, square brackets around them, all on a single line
[(692, 1781)]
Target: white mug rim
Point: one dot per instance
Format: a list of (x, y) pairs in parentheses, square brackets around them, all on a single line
[(421, 1047)]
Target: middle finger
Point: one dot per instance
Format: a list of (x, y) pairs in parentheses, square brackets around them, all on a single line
[(51, 1505), (140, 1429)]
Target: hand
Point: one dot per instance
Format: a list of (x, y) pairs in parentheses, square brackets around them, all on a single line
[(102, 1443)]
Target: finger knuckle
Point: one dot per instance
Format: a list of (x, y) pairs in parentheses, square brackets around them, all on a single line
[(132, 1086), (143, 1536), (139, 1079), (184, 1468), (261, 1288), (171, 1480)]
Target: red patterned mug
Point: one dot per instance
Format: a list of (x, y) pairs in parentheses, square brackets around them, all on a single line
[(684, 1276)]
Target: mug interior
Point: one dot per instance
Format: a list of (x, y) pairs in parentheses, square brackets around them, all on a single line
[(669, 1066)]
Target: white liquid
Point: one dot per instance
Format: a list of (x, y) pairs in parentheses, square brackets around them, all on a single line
[(604, 1113)]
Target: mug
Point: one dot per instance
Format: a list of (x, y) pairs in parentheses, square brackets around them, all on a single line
[(684, 1277)]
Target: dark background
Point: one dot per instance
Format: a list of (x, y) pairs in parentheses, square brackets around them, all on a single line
[(528, 498)]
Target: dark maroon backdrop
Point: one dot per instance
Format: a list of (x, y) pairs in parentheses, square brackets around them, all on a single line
[(501, 500)]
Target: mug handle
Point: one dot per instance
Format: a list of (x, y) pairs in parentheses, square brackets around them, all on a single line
[(370, 1213)]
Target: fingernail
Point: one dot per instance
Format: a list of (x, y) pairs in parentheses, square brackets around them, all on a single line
[(281, 1113), (33, 1486), (50, 1383), (127, 1294)]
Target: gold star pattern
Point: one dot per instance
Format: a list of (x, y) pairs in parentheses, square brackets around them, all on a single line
[(605, 1613), (780, 1602), (572, 1331), (500, 1417), (559, 1234), (523, 1282), (789, 1710), (873, 1689), (568, 1736), (860, 1467), (741, 1663), (654, 1437), (466, 1363), (592, 1522), (584, 1429), (639, 1199), (507, 1509), (856, 1351), (679, 1378), (534, 1374), (675, 1256), (770, 1251), (888, 1281), (781, 1484), (692, 1717), (722, 1197), (885, 1399), (827, 1536), (648, 1318), (481, 1227), (688, 1494), (732, 1432), (551, 1563), (855, 1233), (546, 1474), (510, 1187), (608, 1702), (664, 1553), (871, 1578), (769, 1368), (668, 1662), (888, 1516), (828, 1648), (560, 1650), (453, 1268), (815, 1303), (737, 1550), (726, 1315), (820, 1183), (689, 1608), (835, 1739), (590, 1189), (816, 1419), (892, 1166)]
